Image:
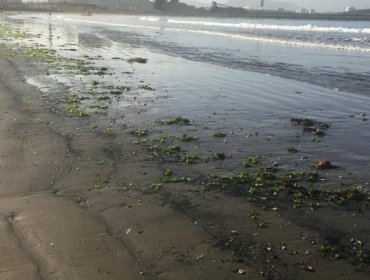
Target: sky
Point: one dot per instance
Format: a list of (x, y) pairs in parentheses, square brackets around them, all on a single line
[(319, 5), (331, 5)]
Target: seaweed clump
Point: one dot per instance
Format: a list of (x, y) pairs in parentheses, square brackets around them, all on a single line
[(137, 60), (311, 126)]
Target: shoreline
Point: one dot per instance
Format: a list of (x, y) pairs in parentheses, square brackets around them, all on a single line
[(244, 15), (92, 199)]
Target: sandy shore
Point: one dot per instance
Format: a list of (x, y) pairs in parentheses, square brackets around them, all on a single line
[(55, 227), (92, 197)]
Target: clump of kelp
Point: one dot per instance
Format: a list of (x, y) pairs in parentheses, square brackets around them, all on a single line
[(137, 60), (311, 126), (174, 121), (274, 188)]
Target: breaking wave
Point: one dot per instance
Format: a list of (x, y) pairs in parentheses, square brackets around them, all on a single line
[(240, 36), (261, 26)]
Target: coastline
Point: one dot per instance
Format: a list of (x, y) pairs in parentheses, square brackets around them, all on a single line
[(227, 12), (81, 199)]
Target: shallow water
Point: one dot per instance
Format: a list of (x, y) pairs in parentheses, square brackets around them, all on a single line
[(328, 53), (204, 75)]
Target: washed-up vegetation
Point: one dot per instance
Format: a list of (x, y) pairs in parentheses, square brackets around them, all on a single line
[(169, 150), (219, 134), (7, 31), (137, 60), (174, 121), (190, 159), (218, 156), (311, 126), (270, 187), (140, 132), (182, 179), (187, 138), (250, 161), (76, 111), (69, 100)]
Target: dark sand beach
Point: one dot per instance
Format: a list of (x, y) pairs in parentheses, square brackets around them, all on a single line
[(111, 169)]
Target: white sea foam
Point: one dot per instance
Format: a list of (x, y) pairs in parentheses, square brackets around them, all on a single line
[(151, 19), (291, 42), (261, 26)]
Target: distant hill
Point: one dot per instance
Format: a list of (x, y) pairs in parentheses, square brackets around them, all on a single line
[(255, 4), (360, 12)]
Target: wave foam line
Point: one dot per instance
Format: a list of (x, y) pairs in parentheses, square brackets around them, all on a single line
[(260, 26), (231, 35)]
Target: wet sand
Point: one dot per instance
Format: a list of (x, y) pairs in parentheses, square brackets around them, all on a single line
[(121, 195)]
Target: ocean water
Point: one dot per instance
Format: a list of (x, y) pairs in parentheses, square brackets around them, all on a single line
[(332, 54), (240, 75)]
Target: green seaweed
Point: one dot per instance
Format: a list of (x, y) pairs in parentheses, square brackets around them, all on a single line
[(140, 132), (174, 121), (219, 134), (187, 138), (140, 141), (218, 156), (250, 161), (76, 110), (189, 159), (176, 179), (167, 172)]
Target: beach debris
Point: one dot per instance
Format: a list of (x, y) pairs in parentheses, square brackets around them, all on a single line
[(200, 257), (311, 126), (324, 164), (241, 271), (308, 268)]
